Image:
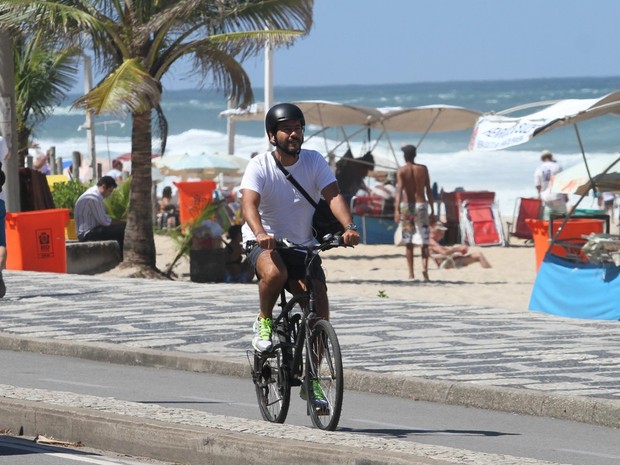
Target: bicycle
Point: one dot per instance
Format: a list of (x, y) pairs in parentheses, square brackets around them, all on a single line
[(305, 348)]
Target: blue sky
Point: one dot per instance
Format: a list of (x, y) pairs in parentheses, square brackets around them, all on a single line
[(403, 41), (394, 41)]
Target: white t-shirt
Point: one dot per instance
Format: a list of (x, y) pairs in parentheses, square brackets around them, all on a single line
[(284, 211), (4, 150), (114, 173), (542, 178)]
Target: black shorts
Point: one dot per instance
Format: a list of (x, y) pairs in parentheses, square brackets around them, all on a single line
[(294, 262)]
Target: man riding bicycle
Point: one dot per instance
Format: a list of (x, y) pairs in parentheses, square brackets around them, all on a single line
[(274, 209)]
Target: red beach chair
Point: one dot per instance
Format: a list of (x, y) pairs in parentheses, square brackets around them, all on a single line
[(526, 208), (481, 223)]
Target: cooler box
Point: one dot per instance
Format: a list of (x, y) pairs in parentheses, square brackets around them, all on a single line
[(36, 240), (574, 229), (193, 198)]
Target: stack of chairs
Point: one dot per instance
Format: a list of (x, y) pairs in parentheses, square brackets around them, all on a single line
[(481, 223)]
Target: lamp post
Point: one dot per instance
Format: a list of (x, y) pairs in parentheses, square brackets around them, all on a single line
[(105, 125), (268, 81)]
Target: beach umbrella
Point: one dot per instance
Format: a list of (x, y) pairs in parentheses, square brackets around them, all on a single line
[(428, 118), (319, 112), (605, 173), (127, 156), (202, 166)]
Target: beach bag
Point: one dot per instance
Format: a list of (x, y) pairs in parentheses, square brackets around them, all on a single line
[(398, 235), (323, 221), (403, 236)]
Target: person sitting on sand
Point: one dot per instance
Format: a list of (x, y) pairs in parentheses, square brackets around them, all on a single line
[(168, 214), (454, 256), (238, 269)]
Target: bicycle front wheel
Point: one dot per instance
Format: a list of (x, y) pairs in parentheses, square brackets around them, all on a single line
[(324, 381), (273, 389)]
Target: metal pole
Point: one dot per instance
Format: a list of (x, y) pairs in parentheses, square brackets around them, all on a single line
[(88, 125), (268, 81), (8, 122), (230, 131)]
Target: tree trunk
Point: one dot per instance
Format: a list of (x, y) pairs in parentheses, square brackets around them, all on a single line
[(139, 247)]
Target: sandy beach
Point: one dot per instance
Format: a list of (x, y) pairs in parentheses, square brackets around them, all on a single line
[(373, 270)]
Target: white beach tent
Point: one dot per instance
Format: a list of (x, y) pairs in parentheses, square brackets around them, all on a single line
[(563, 287), (326, 114), (319, 112), (602, 174), (496, 131)]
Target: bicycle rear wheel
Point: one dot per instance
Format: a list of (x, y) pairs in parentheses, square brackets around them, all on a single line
[(271, 381), (324, 364)]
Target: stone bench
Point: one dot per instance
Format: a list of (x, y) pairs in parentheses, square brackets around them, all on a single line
[(92, 257)]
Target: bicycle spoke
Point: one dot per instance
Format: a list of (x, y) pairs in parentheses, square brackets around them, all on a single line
[(272, 387), (325, 367)]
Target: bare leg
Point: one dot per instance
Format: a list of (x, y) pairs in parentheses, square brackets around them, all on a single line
[(409, 256), (425, 255), (2, 266), (272, 271), (321, 300), (473, 258), (483, 260)]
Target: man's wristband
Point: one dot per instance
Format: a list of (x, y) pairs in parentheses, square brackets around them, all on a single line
[(351, 227)]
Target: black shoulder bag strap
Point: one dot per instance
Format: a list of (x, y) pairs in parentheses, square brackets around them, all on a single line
[(294, 182)]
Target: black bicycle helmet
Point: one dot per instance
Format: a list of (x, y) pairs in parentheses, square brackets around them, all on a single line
[(283, 112)]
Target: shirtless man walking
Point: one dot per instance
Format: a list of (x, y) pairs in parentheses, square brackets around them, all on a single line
[(413, 198)]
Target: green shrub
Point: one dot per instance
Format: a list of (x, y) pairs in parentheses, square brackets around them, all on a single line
[(65, 194), (117, 204)]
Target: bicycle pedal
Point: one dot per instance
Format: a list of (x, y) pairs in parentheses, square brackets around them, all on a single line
[(322, 412)]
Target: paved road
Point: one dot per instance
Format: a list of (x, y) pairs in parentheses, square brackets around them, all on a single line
[(487, 357)]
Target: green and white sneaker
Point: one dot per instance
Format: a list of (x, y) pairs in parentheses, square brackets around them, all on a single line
[(262, 334), (318, 400)]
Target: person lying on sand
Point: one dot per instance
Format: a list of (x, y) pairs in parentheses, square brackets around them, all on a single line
[(455, 256)]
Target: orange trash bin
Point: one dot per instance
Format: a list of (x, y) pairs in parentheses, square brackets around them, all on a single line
[(193, 197), (35, 240), (574, 229)]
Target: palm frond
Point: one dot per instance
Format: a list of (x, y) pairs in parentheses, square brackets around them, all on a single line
[(160, 124), (270, 14), (130, 88)]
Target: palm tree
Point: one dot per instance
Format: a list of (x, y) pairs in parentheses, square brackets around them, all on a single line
[(43, 77), (136, 42)]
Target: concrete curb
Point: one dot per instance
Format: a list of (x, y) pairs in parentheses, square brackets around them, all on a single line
[(181, 443), (602, 412)]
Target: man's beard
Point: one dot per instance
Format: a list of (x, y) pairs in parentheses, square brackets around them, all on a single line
[(292, 152)]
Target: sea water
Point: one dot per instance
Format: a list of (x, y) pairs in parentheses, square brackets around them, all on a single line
[(194, 126)]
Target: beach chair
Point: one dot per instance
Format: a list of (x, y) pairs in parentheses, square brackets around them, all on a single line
[(444, 261), (480, 223), (524, 208)]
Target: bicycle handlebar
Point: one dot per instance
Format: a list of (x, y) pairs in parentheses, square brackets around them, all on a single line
[(330, 241)]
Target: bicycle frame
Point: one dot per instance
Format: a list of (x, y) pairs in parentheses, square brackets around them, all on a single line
[(305, 352), (307, 302)]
